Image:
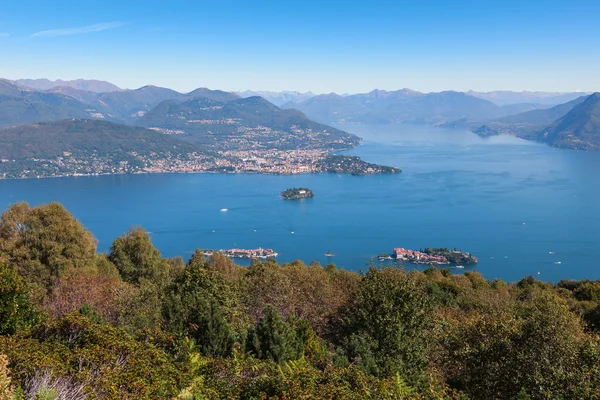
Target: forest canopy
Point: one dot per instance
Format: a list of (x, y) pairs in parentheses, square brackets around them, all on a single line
[(130, 323)]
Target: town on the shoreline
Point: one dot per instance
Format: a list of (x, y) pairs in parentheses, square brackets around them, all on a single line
[(284, 162)]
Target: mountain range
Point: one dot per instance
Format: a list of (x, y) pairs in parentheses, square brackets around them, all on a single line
[(90, 85), (382, 107), (226, 120)]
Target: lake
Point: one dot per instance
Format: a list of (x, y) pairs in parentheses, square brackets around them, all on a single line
[(522, 208)]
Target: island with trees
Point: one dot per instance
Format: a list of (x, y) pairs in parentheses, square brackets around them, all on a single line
[(297, 193), (129, 323)]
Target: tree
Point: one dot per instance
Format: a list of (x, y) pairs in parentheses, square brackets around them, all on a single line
[(195, 306), (16, 312), (43, 242), (273, 338), (135, 257), (387, 320)]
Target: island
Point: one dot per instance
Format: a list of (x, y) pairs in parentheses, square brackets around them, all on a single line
[(431, 256), (296, 193), (244, 253)]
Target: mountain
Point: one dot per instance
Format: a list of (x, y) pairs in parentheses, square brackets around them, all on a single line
[(279, 98), (380, 106), (84, 147), (19, 107), (89, 85), (127, 105), (249, 123), (578, 129), (506, 97), (217, 95), (527, 124)]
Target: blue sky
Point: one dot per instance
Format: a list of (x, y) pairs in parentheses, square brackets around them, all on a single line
[(322, 46)]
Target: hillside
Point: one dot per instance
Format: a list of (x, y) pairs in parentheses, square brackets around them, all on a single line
[(527, 124), (84, 147), (250, 123), (19, 107), (507, 97), (578, 129), (380, 106), (89, 85)]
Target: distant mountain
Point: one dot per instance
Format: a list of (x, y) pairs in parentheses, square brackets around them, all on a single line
[(89, 85), (578, 129), (278, 98), (84, 147), (128, 105), (380, 106), (506, 97), (19, 107), (217, 95), (250, 123), (527, 124)]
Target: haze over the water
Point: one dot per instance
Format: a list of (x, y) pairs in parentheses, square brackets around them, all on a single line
[(335, 46)]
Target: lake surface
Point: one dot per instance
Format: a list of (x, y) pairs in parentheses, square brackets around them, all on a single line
[(522, 208)]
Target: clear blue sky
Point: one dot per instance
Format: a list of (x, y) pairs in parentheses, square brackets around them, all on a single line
[(322, 46)]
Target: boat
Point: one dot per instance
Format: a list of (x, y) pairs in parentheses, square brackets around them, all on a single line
[(459, 266), (551, 252), (329, 254), (223, 210), (558, 262)]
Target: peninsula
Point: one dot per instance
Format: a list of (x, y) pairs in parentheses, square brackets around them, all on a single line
[(296, 193)]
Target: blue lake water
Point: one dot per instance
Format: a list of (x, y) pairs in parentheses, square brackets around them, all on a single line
[(510, 202)]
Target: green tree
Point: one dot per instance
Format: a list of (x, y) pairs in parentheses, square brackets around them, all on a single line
[(16, 312), (386, 322), (43, 242), (273, 338), (136, 258), (194, 306)]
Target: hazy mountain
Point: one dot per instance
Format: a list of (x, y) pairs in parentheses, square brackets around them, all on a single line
[(89, 85), (127, 105), (217, 95), (506, 97), (578, 129), (527, 124), (244, 123), (279, 98), (19, 107), (82, 95), (380, 106)]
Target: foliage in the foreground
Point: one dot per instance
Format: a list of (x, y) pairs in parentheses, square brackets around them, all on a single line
[(131, 324)]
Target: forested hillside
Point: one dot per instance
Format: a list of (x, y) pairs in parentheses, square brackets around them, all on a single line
[(75, 323)]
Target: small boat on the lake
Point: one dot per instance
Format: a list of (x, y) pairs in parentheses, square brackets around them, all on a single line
[(329, 254), (223, 210)]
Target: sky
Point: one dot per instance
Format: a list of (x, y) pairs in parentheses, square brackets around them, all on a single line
[(319, 46)]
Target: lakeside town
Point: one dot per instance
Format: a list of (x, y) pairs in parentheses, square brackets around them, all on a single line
[(285, 162)]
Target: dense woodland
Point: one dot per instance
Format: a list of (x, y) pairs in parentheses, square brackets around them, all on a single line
[(75, 323)]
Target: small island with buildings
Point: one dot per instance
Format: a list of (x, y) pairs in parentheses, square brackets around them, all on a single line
[(296, 193), (431, 256), (243, 253)]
